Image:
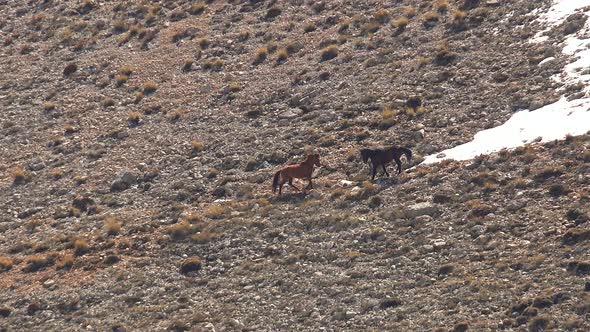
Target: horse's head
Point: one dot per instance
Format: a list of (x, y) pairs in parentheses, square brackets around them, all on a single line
[(315, 159)]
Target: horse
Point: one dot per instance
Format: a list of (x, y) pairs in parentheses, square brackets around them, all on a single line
[(299, 171), (383, 156)]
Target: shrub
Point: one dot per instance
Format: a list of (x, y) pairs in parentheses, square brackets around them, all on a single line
[(203, 42), (409, 12), (112, 226), (5, 264), (329, 53), (138, 97), (125, 70), (459, 15), (309, 27), (197, 146), (133, 117), (18, 175), (70, 69), (282, 55), (203, 237), (213, 64), (190, 265), (381, 16), (431, 17), (215, 211), (121, 79), (120, 26), (48, 106), (188, 64), (108, 102), (66, 262), (370, 27), (401, 22), (149, 87), (80, 247), (260, 55), (179, 231), (176, 115), (38, 262), (197, 8), (442, 5)]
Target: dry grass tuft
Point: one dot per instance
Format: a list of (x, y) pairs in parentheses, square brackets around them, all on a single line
[(381, 16), (215, 211), (112, 226), (18, 175), (133, 117), (409, 12), (329, 53), (197, 8), (260, 55), (5, 264), (80, 247), (149, 87), (48, 106), (188, 64), (66, 262)]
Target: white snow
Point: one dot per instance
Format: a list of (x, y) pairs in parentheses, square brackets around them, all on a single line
[(550, 122)]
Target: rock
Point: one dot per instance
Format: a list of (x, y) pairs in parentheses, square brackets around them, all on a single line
[(123, 181), (29, 212), (5, 312), (421, 209), (291, 113), (478, 230), (389, 303), (36, 166)]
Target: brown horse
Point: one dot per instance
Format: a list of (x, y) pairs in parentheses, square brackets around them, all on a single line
[(299, 171), (382, 157)]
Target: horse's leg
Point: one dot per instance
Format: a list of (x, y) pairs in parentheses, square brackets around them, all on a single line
[(399, 165), (374, 171), (291, 184), (309, 186), (385, 170)]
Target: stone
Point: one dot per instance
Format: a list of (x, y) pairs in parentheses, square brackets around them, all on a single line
[(421, 209), (29, 212)]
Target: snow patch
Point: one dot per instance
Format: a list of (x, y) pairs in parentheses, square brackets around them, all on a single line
[(551, 122)]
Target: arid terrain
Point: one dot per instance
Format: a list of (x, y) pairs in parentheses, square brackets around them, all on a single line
[(138, 140)]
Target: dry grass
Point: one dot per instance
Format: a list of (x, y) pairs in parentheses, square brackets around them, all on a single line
[(18, 175), (112, 226), (442, 5), (381, 16), (48, 106), (197, 146), (309, 27), (409, 12), (431, 16), (197, 8), (5, 264), (401, 22), (149, 87), (65, 262), (188, 64), (329, 53), (459, 15), (179, 231), (121, 79), (134, 117), (108, 102), (80, 247), (282, 55), (260, 55), (215, 211), (38, 262)]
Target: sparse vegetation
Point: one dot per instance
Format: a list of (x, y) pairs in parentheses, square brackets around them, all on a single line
[(260, 55), (149, 87), (329, 53), (112, 226), (5, 264)]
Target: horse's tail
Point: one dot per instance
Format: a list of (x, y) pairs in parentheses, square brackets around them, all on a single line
[(275, 181), (407, 152)]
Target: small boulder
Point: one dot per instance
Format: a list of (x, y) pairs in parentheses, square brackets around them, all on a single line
[(421, 209)]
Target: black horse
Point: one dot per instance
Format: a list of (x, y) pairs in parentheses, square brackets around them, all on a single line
[(382, 157)]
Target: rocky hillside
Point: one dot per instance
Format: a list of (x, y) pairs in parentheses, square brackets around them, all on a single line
[(138, 140)]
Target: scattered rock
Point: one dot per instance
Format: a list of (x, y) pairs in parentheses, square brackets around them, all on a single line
[(421, 209), (29, 212), (389, 303)]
